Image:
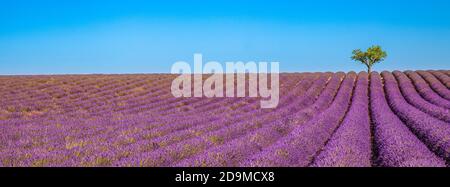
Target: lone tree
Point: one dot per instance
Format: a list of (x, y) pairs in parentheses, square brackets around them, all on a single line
[(372, 56)]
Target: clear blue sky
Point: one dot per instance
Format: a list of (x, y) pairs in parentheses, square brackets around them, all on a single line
[(88, 36)]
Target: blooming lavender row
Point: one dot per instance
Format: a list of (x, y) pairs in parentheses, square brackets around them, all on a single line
[(437, 86), (446, 72), (232, 153), (445, 79), (350, 145), (433, 132), (426, 92), (305, 141), (410, 94), (396, 145)]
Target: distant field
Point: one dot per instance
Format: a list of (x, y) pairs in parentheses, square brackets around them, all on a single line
[(323, 119)]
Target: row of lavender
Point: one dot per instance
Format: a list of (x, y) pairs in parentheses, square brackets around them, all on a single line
[(324, 119)]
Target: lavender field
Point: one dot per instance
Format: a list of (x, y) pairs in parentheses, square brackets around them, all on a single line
[(392, 119)]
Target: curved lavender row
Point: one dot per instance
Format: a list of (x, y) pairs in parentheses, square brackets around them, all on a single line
[(433, 132), (235, 151), (350, 145), (426, 92), (397, 146), (412, 97), (175, 152), (304, 142), (446, 72), (445, 79), (435, 84)]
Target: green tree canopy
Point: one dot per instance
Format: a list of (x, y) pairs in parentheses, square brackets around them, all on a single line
[(372, 56)]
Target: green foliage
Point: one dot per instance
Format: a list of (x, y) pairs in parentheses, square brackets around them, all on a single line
[(372, 56)]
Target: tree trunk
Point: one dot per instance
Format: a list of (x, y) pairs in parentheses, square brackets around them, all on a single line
[(369, 69)]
